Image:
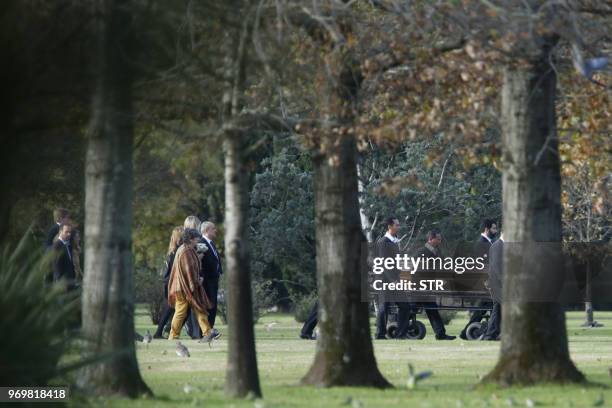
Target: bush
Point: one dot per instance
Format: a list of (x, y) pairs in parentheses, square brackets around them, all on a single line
[(264, 298), (149, 289), (36, 316), (303, 307)]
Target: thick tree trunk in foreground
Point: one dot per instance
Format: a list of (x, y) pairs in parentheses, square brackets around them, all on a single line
[(534, 345), (242, 377), (108, 300), (344, 355)]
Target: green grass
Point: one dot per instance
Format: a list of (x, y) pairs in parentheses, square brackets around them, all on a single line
[(283, 359)]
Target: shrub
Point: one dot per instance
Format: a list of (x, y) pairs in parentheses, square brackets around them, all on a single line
[(37, 317), (149, 289), (303, 307), (264, 298)]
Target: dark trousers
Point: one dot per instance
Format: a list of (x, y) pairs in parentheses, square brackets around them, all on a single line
[(211, 287), (494, 327), (193, 327), (405, 313), (165, 318), (381, 318), (434, 318), (311, 322)]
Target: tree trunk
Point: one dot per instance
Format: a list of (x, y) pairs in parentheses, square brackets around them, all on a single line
[(588, 310), (344, 355), (242, 377), (108, 299), (366, 225), (534, 340)]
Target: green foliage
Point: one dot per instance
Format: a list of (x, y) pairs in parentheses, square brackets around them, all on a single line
[(149, 289), (175, 176), (35, 317), (422, 194), (303, 306), (282, 223), (264, 298)]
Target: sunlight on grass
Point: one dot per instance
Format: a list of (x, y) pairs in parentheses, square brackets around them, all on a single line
[(283, 359)]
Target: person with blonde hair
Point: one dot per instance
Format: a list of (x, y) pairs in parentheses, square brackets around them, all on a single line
[(192, 222), (175, 243), (184, 289)]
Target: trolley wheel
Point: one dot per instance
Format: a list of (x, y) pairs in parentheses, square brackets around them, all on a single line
[(475, 330), (391, 330), (416, 331)]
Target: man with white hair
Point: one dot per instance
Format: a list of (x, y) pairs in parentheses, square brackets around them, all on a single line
[(211, 267)]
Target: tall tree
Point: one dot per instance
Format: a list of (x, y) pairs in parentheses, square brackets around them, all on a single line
[(242, 377), (344, 355), (534, 339), (108, 305)]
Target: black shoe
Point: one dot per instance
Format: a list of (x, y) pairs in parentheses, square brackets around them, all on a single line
[(158, 336), (489, 338), (463, 336), (305, 336), (445, 337)]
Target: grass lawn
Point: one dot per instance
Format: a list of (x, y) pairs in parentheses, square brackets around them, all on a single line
[(283, 359)]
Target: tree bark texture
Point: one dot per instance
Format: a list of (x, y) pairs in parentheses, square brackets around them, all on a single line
[(344, 355), (534, 345), (242, 377), (108, 298)]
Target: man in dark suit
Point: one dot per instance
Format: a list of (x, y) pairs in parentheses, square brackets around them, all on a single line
[(431, 251), (496, 258), (211, 267), (481, 249), (387, 246), (63, 266), (60, 216)]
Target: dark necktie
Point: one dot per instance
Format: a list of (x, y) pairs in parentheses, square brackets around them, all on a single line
[(68, 250), (212, 245)]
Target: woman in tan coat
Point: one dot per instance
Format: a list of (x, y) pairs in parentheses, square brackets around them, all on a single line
[(184, 288)]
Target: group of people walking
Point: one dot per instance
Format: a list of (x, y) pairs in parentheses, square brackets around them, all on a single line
[(193, 268), (388, 246), (191, 281), (191, 273)]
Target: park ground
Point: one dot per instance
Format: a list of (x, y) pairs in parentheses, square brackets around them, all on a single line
[(283, 359)]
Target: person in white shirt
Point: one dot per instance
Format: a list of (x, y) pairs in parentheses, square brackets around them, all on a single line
[(387, 246)]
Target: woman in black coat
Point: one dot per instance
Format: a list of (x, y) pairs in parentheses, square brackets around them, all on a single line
[(166, 317)]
